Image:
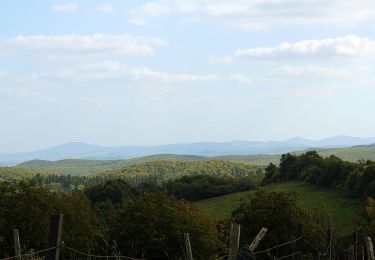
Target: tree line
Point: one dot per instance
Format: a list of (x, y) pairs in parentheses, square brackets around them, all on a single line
[(355, 179)]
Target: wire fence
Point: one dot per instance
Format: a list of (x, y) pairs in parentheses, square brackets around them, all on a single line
[(37, 254), (271, 252), (321, 254), (30, 254)]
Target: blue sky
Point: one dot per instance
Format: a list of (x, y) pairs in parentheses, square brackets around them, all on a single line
[(156, 72)]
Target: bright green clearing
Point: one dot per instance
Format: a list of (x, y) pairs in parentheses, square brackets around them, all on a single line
[(345, 212)]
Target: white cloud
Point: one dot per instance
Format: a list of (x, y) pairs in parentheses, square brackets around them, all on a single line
[(259, 14), (221, 60), (65, 8), (159, 8), (95, 43), (349, 46), (88, 72), (113, 70), (146, 73), (104, 8), (241, 78), (312, 71), (138, 21)]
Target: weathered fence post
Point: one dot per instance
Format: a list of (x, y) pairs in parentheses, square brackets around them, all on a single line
[(329, 242), (234, 240), (257, 239), (17, 245), (55, 231), (189, 254), (363, 253), (356, 245), (298, 244), (370, 249)]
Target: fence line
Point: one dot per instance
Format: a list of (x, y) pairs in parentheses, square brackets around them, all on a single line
[(73, 250), (30, 254), (291, 255), (248, 251), (277, 246), (101, 256), (223, 257)]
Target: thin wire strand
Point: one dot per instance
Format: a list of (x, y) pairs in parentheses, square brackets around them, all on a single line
[(101, 256), (277, 246), (311, 245), (291, 255), (29, 254)]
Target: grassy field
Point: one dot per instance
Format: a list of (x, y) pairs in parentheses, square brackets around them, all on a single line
[(345, 212)]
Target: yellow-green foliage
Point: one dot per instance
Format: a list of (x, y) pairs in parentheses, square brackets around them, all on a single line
[(163, 170), (15, 173)]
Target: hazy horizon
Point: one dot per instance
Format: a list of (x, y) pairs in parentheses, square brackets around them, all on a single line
[(160, 72), (180, 143)]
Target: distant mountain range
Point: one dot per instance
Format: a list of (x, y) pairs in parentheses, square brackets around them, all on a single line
[(87, 167), (94, 152)]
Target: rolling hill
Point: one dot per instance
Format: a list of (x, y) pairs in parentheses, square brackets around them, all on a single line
[(164, 170), (207, 149), (344, 211), (17, 173), (86, 167)]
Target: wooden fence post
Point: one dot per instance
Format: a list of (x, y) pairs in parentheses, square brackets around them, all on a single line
[(189, 254), (329, 241), (370, 249), (356, 246), (234, 240), (362, 253), (298, 244), (257, 239), (17, 245), (55, 231)]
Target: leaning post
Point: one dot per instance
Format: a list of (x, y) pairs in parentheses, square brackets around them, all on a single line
[(189, 254), (257, 239), (54, 241)]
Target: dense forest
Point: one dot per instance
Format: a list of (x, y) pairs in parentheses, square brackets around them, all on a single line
[(153, 172), (87, 167)]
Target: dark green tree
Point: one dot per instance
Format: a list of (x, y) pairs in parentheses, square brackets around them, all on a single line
[(153, 225), (28, 208), (280, 213)]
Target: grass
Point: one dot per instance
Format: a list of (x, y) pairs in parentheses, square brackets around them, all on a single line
[(345, 212)]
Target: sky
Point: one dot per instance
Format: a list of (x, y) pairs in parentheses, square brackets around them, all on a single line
[(157, 72)]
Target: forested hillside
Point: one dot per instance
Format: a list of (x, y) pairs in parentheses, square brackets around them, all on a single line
[(86, 167), (355, 153), (16, 173), (163, 170), (154, 172)]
